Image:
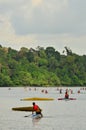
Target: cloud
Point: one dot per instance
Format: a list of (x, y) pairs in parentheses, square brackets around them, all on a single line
[(41, 18), (36, 2), (34, 23), (45, 16)]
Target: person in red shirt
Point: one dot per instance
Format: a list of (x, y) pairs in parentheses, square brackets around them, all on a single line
[(66, 95), (37, 109)]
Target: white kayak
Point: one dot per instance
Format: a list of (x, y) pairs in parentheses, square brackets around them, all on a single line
[(36, 116)]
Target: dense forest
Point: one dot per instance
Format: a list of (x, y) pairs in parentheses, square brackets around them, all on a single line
[(41, 67)]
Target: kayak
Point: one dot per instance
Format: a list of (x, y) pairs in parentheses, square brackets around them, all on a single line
[(22, 109), (30, 109), (36, 116), (66, 99), (37, 99)]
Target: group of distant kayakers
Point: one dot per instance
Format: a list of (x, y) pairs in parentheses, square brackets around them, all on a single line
[(58, 89)]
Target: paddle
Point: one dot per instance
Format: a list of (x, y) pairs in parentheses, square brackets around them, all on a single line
[(28, 115)]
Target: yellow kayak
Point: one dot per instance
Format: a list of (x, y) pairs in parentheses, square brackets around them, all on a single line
[(22, 109), (30, 109), (37, 99)]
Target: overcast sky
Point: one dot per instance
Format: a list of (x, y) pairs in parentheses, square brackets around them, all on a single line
[(32, 23)]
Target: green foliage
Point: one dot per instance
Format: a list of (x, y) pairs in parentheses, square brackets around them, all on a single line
[(41, 67), (50, 51), (30, 56), (5, 81)]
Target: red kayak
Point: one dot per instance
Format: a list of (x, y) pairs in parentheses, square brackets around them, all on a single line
[(66, 99)]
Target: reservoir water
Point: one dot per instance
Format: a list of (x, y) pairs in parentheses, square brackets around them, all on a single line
[(57, 114)]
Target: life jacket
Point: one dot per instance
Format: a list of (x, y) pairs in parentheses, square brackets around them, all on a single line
[(66, 95)]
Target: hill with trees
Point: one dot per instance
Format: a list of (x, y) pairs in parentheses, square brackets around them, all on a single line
[(41, 67)]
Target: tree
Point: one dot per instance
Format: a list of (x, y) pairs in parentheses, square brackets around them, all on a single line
[(68, 50), (57, 55), (5, 81), (50, 51), (30, 56)]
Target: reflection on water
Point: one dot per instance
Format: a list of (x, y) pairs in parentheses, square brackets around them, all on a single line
[(35, 121), (57, 115)]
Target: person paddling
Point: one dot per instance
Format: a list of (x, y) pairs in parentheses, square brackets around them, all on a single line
[(37, 109), (66, 95)]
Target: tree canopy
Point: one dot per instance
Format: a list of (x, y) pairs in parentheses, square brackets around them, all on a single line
[(41, 67)]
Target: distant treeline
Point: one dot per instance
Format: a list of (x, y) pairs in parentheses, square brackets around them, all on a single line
[(41, 67)]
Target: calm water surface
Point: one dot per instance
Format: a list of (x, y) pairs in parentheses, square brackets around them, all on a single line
[(58, 115)]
